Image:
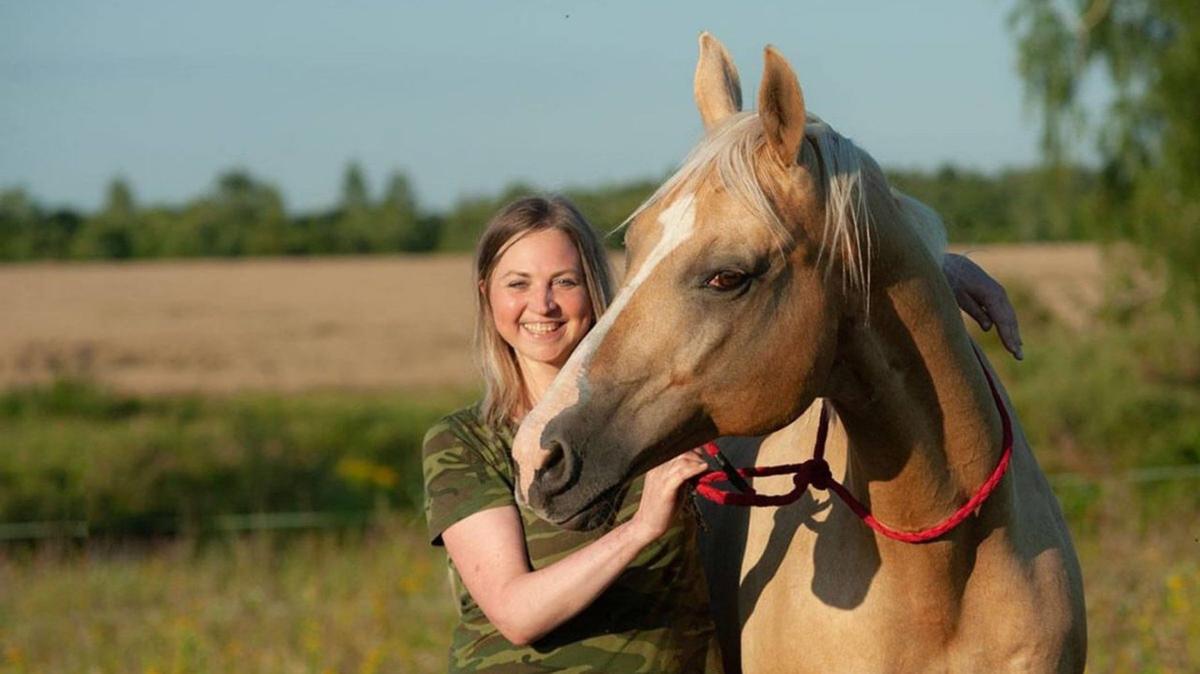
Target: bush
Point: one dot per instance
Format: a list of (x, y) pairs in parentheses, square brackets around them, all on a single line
[(72, 451)]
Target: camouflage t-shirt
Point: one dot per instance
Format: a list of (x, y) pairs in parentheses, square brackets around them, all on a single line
[(654, 617)]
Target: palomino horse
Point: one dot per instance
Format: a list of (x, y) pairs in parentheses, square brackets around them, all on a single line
[(774, 269)]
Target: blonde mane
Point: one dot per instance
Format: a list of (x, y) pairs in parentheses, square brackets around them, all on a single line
[(730, 149)]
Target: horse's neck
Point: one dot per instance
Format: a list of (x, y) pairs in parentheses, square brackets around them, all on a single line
[(923, 429)]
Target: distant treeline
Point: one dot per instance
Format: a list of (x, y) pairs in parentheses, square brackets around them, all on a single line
[(243, 215)]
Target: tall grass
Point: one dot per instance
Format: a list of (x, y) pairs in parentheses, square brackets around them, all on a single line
[(72, 451), (345, 602)]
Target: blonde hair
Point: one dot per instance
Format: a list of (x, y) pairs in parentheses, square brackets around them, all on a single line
[(505, 398)]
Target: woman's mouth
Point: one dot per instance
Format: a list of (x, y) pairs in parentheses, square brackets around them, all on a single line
[(543, 329)]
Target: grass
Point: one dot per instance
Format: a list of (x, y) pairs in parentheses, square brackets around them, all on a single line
[(128, 465), (377, 601), (329, 602), (1142, 584)]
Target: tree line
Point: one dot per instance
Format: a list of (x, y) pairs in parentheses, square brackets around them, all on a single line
[(244, 215)]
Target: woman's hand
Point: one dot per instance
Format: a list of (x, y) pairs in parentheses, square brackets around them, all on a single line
[(661, 494), (983, 299)]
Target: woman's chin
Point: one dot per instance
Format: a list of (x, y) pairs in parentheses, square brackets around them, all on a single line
[(548, 354)]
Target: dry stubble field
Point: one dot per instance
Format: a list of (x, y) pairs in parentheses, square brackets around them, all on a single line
[(301, 324)]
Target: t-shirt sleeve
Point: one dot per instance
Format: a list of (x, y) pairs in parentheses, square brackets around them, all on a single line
[(459, 480)]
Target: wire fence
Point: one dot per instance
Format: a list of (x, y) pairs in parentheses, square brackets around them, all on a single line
[(315, 520)]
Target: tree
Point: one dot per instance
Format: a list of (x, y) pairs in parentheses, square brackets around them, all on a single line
[(110, 234), (240, 216), (354, 189), (18, 218), (1149, 138), (399, 214), (358, 229)]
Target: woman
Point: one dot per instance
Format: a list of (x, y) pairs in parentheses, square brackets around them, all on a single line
[(532, 597)]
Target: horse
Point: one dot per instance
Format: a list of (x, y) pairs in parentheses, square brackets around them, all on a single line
[(777, 269)]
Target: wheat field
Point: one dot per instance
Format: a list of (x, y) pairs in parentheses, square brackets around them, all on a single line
[(288, 325)]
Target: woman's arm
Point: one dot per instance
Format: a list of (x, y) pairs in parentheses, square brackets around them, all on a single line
[(488, 549)]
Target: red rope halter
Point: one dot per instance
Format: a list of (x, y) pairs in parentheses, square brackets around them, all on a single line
[(815, 473)]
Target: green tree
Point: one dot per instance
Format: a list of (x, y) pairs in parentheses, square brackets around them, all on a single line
[(355, 196), (18, 218), (358, 228), (241, 216), (110, 233), (1149, 138), (398, 213)]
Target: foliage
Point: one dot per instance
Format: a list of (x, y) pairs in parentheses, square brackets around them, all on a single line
[(1025, 205), (378, 602), (1149, 137), (245, 216), (72, 451), (365, 602)]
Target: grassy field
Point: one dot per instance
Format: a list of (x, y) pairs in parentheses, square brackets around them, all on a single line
[(358, 603), (345, 602), (162, 403)]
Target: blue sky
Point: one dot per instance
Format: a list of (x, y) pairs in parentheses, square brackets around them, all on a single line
[(468, 96)]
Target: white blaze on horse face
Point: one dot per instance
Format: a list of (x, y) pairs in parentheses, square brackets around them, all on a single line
[(570, 386)]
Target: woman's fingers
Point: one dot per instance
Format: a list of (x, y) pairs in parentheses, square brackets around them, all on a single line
[(984, 300), (680, 469), (972, 308), (1005, 316)]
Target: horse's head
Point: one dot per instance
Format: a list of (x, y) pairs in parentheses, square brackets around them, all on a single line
[(728, 318)]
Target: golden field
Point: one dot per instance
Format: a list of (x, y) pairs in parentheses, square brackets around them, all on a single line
[(300, 324)]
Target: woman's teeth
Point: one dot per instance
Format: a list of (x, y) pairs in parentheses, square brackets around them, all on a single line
[(541, 328)]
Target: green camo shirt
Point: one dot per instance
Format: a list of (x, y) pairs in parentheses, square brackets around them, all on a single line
[(654, 618)]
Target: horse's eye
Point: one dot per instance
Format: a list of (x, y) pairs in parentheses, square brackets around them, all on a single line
[(727, 279)]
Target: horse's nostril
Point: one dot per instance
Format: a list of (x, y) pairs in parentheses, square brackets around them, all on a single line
[(559, 469), (554, 456)]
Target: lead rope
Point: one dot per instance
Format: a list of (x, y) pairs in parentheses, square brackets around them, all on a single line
[(815, 473)]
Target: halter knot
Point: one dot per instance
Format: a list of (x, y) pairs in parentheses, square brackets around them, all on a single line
[(813, 473)]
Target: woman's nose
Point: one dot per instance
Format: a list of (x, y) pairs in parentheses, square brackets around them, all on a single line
[(546, 303)]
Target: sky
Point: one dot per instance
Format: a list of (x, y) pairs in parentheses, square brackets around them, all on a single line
[(467, 97)]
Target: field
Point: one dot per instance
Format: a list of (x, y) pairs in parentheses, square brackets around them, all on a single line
[(159, 406), (396, 323)]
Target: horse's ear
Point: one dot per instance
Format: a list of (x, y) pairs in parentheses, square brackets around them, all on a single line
[(717, 88), (781, 107)]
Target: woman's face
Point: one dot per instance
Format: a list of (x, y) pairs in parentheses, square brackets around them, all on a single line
[(539, 298)]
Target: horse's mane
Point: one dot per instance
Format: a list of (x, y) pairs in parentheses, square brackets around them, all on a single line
[(730, 149)]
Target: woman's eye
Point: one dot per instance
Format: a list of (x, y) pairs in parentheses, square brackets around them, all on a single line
[(728, 279), (518, 285), (567, 282)]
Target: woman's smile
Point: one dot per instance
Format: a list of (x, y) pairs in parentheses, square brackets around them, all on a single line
[(546, 330)]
